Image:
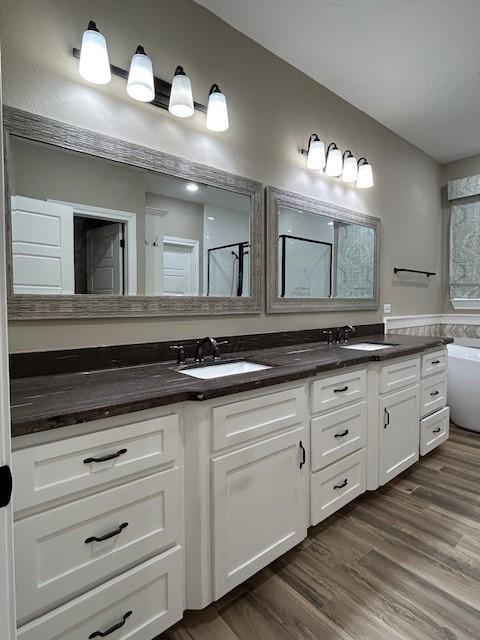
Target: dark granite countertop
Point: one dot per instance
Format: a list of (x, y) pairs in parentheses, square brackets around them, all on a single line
[(50, 401)]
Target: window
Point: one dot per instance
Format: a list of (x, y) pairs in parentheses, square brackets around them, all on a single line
[(465, 255)]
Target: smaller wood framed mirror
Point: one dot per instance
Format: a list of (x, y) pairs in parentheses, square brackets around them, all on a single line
[(320, 257)]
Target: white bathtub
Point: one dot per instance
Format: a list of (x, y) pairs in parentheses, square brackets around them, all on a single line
[(464, 386)]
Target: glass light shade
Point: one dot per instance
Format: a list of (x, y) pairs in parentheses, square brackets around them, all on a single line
[(94, 63), (181, 99), (140, 84), (365, 176), (334, 163), (217, 112), (316, 155), (350, 169)]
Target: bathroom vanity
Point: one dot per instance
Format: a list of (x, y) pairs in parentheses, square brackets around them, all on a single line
[(130, 512)]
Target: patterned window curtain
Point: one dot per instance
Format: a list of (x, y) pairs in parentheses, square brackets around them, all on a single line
[(465, 250)]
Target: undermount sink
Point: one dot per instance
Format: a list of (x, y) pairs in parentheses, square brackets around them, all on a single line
[(367, 346), (211, 371)]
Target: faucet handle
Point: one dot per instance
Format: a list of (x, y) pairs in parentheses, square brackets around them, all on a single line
[(329, 335), (180, 349), (216, 351), (348, 331)]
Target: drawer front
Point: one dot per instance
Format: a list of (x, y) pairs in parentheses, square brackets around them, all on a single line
[(434, 430), (55, 470), (239, 422), (399, 375), (434, 362), (57, 557), (142, 603), (335, 486), (338, 433), (434, 394), (337, 391)]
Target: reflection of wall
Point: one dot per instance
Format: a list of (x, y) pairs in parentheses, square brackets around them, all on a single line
[(183, 219), (268, 125), (355, 255), (227, 227), (44, 172)]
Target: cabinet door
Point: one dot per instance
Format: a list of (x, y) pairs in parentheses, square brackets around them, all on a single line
[(399, 432), (259, 506)]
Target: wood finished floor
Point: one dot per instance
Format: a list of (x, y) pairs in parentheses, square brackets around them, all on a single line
[(402, 563)]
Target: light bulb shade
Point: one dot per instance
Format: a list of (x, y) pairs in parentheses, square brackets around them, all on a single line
[(217, 112), (334, 163), (140, 85), (94, 63), (181, 99), (350, 169), (316, 155), (365, 176)]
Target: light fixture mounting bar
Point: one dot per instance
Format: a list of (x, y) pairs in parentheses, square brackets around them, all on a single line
[(162, 87)]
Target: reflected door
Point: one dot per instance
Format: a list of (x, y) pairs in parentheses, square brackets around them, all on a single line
[(105, 260), (180, 268)]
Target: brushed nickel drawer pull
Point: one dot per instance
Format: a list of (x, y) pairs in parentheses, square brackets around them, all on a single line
[(345, 388), (340, 486), (343, 434), (110, 456), (107, 536), (118, 625)]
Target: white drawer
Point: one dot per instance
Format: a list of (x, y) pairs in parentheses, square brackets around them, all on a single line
[(434, 362), (337, 391), (338, 433), (399, 375), (143, 602), (238, 422), (335, 486), (56, 470), (433, 394), (56, 557), (434, 430)]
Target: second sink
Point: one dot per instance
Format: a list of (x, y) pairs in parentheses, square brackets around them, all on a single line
[(211, 371), (367, 346)]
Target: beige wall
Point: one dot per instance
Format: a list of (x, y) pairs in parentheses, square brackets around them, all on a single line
[(273, 109)]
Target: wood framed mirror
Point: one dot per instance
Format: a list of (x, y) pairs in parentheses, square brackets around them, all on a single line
[(320, 257), (99, 227)]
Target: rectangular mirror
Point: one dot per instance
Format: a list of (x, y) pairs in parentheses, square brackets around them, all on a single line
[(100, 232), (320, 257)]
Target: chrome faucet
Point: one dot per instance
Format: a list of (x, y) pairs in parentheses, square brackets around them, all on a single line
[(200, 353)]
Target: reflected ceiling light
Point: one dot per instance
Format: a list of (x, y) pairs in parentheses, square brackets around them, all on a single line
[(191, 186), (365, 174), (350, 169), (140, 85), (315, 153), (330, 224), (181, 98), (334, 164), (210, 218), (217, 112), (94, 63)]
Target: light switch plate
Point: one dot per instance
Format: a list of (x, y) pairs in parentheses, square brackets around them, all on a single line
[(387, 308)]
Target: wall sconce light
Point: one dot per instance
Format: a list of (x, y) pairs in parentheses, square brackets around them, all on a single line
[(334, 164), (94, 64), (315, 153), (217, 112), (350, 169), (181, 98), (140, 85), (365, 174)]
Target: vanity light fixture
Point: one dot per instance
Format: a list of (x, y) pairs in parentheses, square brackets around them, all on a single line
[(334, 164), (365, 174), (140, 84), (94, 63), (315, 153), (350, 168), (192, 187), (181, 98), (217, 112)]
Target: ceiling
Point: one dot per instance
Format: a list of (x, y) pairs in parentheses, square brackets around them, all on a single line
[(414, 65)]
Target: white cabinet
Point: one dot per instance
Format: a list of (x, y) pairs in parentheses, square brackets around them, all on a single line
[(259, 500), (399, 432)]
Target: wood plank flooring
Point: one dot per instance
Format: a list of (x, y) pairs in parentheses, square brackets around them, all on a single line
[(402, 563)]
